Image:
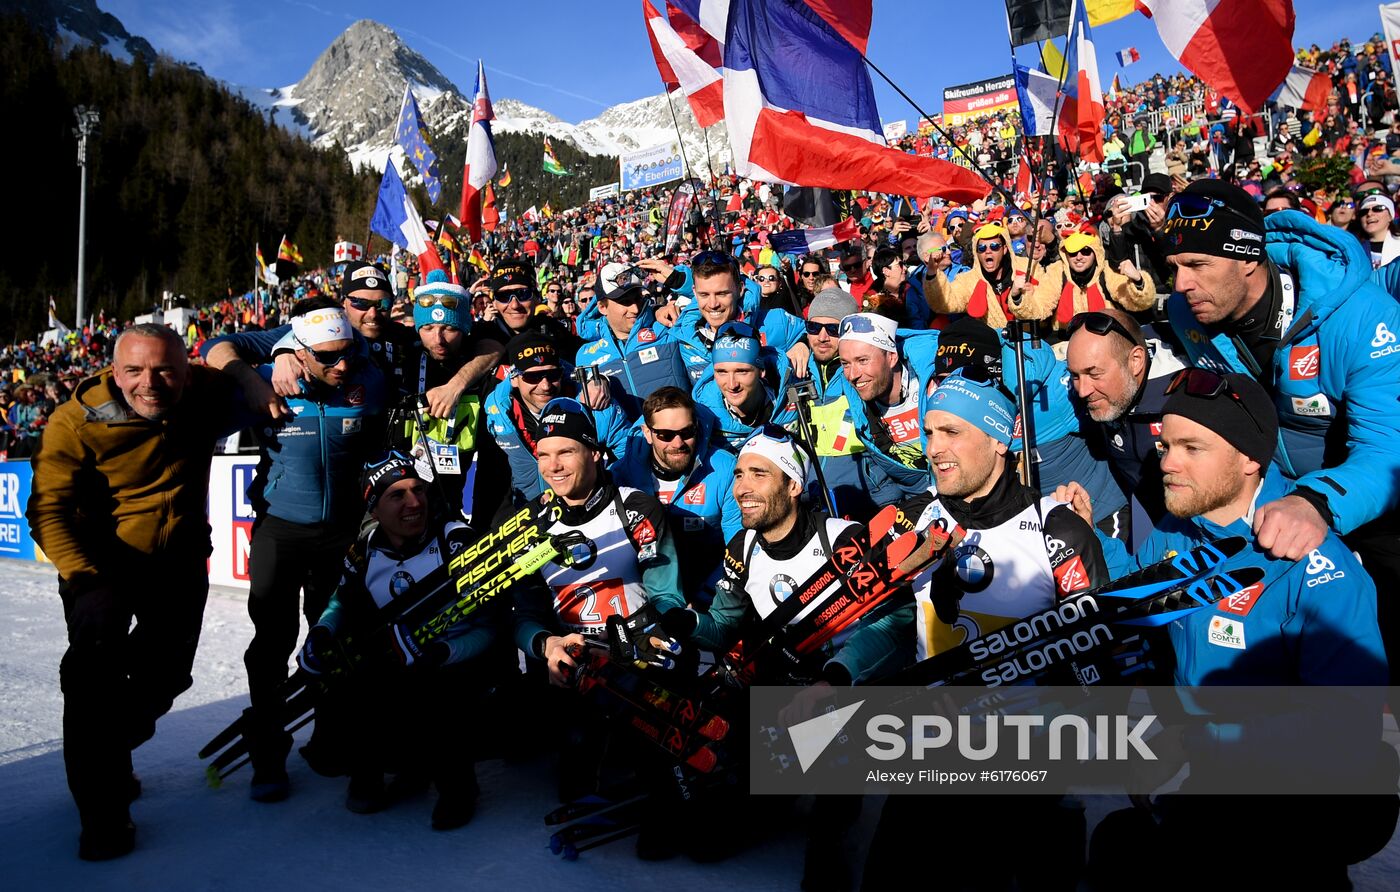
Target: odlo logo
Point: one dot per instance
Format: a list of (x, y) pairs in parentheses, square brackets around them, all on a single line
[(1385, 340), (1321, 570)]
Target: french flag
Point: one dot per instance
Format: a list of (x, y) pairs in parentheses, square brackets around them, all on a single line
[(1304, 89), (1242, 48), (806, 241), (800, 108), (687, 57), (481, 156), (1082, 114), (1128, 56)]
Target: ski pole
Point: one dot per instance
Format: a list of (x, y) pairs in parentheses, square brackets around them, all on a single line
[(800, 393)]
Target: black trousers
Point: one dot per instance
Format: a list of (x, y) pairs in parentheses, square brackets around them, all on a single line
[(118, 679), (286, 559), (1378, 544)]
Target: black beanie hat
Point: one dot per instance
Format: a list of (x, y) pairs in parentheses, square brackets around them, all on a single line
[(1216, 218), (565, 417), (968, 342), (381, 475), (1229, 412)]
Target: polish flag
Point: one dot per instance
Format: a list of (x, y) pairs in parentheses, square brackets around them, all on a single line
[(688, 58), (1242, 48)]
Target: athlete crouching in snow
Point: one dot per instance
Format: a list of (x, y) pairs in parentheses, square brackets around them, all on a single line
[(1020, 555), (625, 561), (409, 716)]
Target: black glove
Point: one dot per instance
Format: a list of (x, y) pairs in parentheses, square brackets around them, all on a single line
[(630, 639), (679, 623), (317, 651), (425, 655)]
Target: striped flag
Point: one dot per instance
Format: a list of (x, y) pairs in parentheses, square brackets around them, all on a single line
[(505, 177), (481, 156), (1243, 48), (1128, 56), (551, 164), (805, 241), (288, 252)]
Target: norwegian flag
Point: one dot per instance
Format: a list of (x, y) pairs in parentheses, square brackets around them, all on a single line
[(481, 157)]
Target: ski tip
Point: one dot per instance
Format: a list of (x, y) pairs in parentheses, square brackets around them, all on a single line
[(703, 760), (211, 777), (715, 728), (556, 845), (570, 853)]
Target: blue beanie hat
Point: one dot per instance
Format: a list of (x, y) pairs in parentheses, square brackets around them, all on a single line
[(437, 287), (736, 342), (983, 404)]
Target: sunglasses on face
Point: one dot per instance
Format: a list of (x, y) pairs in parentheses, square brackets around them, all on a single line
[(535, 376), (851, 267), (666, 436), (331, 357), (766, 278), (1374, 209), (1344, 205), (812, 274), (1083, 252), (364, 304), (508, 297), (832, 329), (984, 247)]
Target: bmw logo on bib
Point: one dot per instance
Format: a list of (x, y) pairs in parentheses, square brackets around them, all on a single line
[(974, 568), (400, 584), (781, 587), (583, 554)]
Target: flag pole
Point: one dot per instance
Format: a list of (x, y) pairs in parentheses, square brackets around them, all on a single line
[(689, 172)]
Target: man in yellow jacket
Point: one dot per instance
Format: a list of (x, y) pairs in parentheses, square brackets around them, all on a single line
[(121, 481)]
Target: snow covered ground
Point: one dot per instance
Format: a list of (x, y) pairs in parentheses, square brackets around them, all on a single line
[(192, 837)]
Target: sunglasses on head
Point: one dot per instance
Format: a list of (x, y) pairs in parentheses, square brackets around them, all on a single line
[(1101, 324), (1188, 206), (331, 357), (712, 258), (666, 436), (445, 301), (832, 329), (365, 304), (535, 376), (1208, 385), (858, 324), (522, 297)]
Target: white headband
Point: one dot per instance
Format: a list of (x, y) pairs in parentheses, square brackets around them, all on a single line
[(784, 454), (320, 326), (870, 328)]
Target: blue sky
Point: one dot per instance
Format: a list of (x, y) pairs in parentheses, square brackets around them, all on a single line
[(576, 58)]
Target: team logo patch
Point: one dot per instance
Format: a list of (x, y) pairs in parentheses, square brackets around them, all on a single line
[(1242, 601), (695, 496), (1071, 576), (781, 587), (1303, 362), (1156, 428), (1315, 405), (355, 395), (1226, 632), (644, 533), (646, 336)]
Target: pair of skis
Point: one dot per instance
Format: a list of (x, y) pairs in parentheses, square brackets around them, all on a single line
[(594, 821), (482, 571)]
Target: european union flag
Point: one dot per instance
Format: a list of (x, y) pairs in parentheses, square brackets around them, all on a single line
[(412, 135)]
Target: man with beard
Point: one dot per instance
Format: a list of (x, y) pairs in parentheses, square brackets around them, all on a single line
[(886, 376), (1120, 380), (1309, 622), (514, 407), (673, 454), (1021, 554), (1291, 303)]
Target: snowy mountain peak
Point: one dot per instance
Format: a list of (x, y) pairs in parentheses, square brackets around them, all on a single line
[(71, 23), (351, 94)]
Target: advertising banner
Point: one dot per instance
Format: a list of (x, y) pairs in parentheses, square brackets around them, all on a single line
[(600, 192), (980, 98), (230, 518), (651, 167), (15, 541)]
